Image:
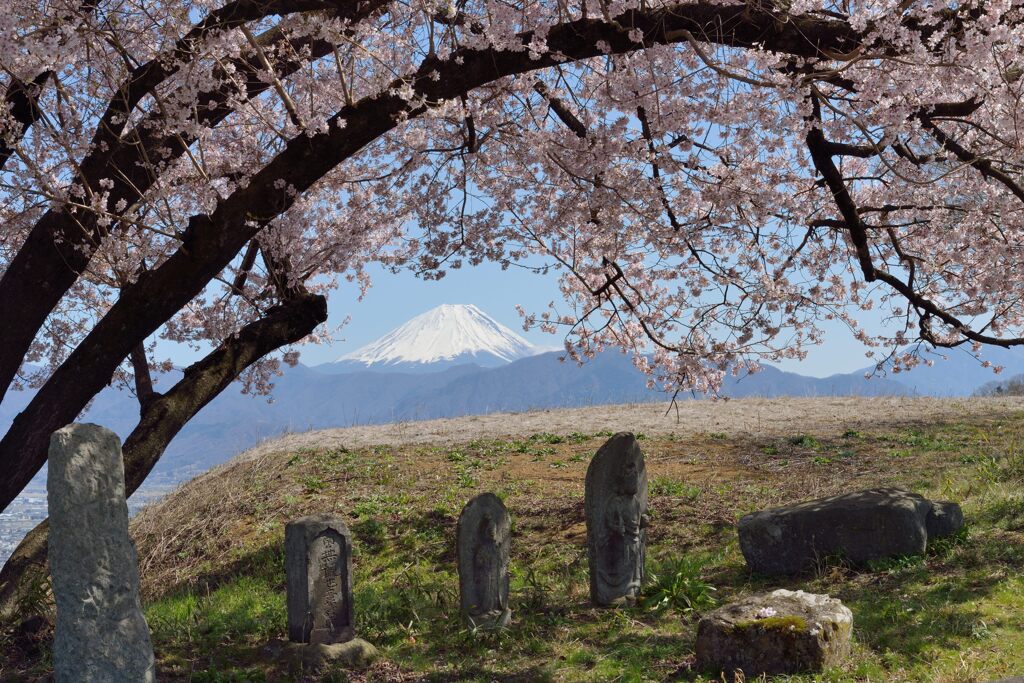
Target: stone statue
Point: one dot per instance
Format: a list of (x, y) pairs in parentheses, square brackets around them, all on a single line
[(483, 553), (615, 502)]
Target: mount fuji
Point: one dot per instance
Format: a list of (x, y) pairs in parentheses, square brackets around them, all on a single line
[(443, 337)]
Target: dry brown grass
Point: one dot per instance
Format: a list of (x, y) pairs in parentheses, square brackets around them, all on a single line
[(753, 417)]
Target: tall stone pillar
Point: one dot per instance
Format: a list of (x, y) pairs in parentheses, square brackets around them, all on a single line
[(101, 634), (615, 503)]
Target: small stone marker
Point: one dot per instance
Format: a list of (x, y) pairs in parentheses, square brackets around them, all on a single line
[(615, 502), (100, 633), (854, 527), (782, 632), (484, 533), (318, 569)]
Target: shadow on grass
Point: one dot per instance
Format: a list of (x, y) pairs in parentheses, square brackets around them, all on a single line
[(479, 673), (265, 563), (934, 603)]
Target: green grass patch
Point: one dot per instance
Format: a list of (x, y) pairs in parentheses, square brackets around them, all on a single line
[(953, 614)]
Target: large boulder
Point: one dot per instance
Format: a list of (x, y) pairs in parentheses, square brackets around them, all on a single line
[(782, 632), (944, 519), (855, 528)]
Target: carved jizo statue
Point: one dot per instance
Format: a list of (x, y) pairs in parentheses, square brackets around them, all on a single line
[(615, 501), (483, 551)]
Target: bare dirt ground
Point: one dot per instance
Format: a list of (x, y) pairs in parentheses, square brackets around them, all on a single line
[(752, 417)]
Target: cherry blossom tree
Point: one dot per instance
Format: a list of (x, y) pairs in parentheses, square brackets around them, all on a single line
[(713, 181)]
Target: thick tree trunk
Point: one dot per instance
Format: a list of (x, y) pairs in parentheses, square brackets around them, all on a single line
[(163, 418), (51, 258)]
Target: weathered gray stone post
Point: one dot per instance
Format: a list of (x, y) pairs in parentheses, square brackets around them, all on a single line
[(318, 568), (483, 537), (615, 502), (101, 634)]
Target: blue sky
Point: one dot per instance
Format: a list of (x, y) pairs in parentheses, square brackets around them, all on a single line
[(394, 298)]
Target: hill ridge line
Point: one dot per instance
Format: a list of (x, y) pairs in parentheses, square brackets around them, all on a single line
[(747, 416)]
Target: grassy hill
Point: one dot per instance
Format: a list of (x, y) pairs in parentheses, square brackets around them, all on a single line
[(212, 561)]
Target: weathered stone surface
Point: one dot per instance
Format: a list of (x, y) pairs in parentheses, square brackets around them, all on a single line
[(615, 502), (782, 632), (100, 634), (854, 527), (944, 519), (318, 569), (483, 537), (320, 657)]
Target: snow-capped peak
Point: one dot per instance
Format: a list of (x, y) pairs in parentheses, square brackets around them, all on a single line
[(447, 333)]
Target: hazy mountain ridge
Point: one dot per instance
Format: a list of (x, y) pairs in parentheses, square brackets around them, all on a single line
[(955, 372), (398, 387), (305, 398)]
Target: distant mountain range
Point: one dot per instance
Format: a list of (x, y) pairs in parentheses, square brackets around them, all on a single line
[(417, 372)]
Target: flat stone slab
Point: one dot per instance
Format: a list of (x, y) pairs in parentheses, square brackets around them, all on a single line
[(352, 654), (782, 632), (855, 528)]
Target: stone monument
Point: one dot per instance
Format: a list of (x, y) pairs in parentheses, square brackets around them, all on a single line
[(318, 568), (100, 634), (615, 501), (483, 550)]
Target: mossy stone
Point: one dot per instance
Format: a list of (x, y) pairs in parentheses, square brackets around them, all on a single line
[(782, 632), (788, 623)]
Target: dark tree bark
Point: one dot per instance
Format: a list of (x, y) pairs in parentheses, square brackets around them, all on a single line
[(52, 258), (212, 241), (165, 414), (21, 98)]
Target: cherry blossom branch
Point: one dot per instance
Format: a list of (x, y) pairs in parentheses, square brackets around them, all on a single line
[(984, 166), (211, 241), (59, 247), (22, 99), (822, 159)]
